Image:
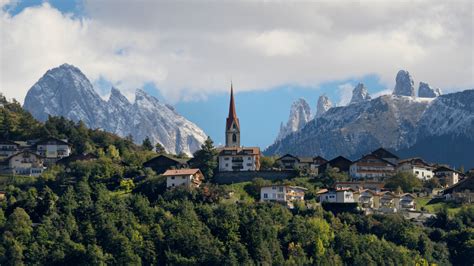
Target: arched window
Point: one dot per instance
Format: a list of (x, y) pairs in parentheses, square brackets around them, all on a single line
[(234, 126), (234, 138)]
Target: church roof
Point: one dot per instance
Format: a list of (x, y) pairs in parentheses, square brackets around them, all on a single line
[(232, 117)]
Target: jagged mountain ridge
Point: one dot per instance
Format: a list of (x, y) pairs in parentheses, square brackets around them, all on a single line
[(415, 126), (300, 114), (66, 91)]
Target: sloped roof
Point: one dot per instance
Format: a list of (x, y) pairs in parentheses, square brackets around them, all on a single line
[(374, 157), (239, 150), (9, 142), (232, 117), (174, 172), (383, 153), (465, 184), (52, 139), (178, 160)]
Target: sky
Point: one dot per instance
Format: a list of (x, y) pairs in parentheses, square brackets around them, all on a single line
[(186, 53)]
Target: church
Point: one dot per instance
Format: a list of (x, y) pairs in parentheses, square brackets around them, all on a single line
[(233, 157)]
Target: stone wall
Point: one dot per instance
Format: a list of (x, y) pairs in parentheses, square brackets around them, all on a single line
[(237, 177)]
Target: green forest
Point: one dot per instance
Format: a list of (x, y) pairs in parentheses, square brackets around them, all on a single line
[(112, 211)]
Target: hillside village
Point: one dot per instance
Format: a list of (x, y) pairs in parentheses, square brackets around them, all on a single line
[(360, 185), (85, 190)]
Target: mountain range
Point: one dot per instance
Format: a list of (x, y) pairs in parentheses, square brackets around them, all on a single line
[(439, 128), (66, 91)]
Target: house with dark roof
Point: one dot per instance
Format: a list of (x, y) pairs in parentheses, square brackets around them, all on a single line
[(8, 148), (25, 163), (386, 155), (447, 176), (52, 149), (371, 167), (164, 162), (309, 164), (340, 162), (462, 191)]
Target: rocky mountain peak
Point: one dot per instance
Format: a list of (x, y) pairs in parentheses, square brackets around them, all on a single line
[(300, 115), (405, 86), (66, 91), (425, 91), (360, 94), (324, 104)]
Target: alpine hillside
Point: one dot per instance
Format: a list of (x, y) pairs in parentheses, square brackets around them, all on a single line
[(439, 128), (66, 91)]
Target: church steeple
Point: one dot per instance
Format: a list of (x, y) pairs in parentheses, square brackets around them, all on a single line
[(232, 128)]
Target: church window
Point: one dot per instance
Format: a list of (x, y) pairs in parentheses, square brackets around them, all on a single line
[(234, 137), (234, 126)]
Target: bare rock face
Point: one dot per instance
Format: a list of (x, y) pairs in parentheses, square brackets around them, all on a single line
[(425, 91), (360, 94), (405, 86), (324, 104), (66, 91), (300, 115)]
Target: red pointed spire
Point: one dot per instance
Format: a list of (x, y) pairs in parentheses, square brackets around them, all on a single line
[(232, 117)]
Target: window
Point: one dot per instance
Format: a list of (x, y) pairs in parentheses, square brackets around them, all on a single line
[(172, 177), (280, 189), (234, 126), (226, 158), (226, 165), (274, 188), (274, 195), (249, 158), (249, 164), (265, 195), (234, 137)]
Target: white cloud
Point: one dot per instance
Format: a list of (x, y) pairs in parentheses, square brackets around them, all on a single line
[(345, 94), (191, 49)]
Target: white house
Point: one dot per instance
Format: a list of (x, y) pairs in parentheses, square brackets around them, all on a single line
[(372, 167), (53, 149), (416, 166), (24, 163), (345, 195), (183, 177), (239, 159), (8, 148), (282, 193)]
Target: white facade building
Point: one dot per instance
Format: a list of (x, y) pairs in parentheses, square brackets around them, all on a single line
[(337, 196), (239, 159), (183, 177), (24, 163), (282, 193), (417, 167), (53, 148)]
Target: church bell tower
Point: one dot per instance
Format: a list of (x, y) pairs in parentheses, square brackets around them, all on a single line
[(232, 128)]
